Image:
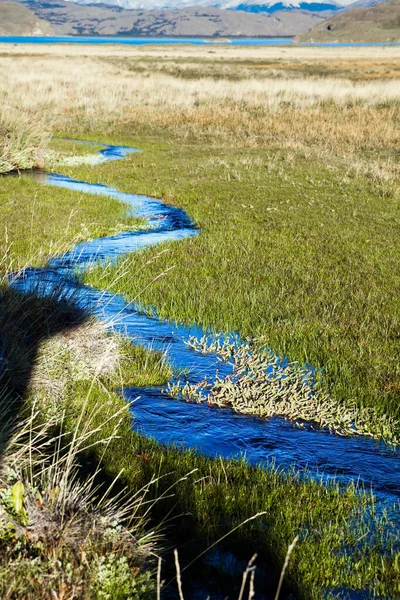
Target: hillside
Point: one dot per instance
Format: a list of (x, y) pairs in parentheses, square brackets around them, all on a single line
[(68, 18), (379, 23), (16, 19)]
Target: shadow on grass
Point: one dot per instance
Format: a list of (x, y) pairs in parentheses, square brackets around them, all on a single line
[(26, 321), (191, 515)]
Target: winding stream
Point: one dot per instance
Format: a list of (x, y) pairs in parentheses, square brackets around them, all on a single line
[(212, 431)]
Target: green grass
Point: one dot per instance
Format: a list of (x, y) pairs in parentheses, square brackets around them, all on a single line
[(68, 147), (296, 255), (36, 221), (194, 501), (141, 367), (200, 500), (283, 257), (197, 500)]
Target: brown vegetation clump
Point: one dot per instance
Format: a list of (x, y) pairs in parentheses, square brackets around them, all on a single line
[(23, 138)]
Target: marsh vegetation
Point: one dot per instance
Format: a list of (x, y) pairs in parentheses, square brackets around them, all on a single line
[(287, 160)]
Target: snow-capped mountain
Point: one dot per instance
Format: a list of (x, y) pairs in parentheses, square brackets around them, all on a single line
[(254, 6), (268, 6), (273, 5)]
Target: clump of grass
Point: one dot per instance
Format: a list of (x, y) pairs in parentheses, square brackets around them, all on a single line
[(140, 367), (49, 341), (24, 140), (61, 534), (26, 321), (90, 352), (262, 384)]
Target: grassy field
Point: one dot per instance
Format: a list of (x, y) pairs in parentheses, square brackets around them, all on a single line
[(185, 499), (36, 223), (292, 254), (287, 160)]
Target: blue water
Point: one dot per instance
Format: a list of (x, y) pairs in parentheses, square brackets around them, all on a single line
[(142, 41), (212, 431)]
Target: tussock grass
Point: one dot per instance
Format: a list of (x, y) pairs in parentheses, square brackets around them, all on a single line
[(57, 515), (48, 342), (54, 524), (24, 138), (91, 352)]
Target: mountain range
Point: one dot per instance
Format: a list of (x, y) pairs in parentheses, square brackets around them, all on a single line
[(251, 6), (326, 20), (70, 18)]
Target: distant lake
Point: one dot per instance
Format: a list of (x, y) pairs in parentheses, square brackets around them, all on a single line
[(142, 41)]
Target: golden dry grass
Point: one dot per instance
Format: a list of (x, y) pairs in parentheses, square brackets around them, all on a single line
[(116, 90), (358, 63), (363, 68), (89, 91), (217, 52), (23, 140)]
